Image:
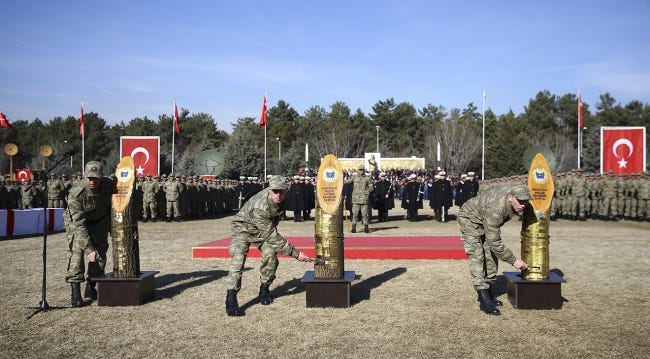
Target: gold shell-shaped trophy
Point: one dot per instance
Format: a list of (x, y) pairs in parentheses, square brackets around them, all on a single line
[(11, 149), (328, 231), (45, 151), (536, 221)]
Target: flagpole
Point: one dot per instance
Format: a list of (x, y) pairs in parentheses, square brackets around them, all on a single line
[(265, 152), (579, 126), (173, 136), (83, 142), (483, 150)]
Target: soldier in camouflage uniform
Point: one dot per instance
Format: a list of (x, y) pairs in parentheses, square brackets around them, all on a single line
[(149, 190), (54, 189), (256, 224), (172, 190), (578, 196), (608, 190), (480, 220), (361, 188), (28, 194), (89, 210), (643, 198)]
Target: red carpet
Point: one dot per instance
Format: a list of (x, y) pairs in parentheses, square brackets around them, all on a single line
[(425, 247)]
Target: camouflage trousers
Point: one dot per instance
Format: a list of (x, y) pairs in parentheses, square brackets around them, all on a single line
[(608, 207), (54, 203), (149, 209), (77, 261), (483, 264), (363, 208), (238, 249), (173, 210)]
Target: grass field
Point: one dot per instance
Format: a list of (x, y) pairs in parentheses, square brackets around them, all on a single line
[(401, 309)]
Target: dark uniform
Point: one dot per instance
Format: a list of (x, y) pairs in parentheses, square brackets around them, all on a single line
[(383, 197)]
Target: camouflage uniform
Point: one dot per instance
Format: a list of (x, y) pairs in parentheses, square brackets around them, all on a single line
[(480, 221), (28, 194), (608, 190), (578, 199), (54, 189), (256, 223), (89, 215), (149, 190), (361, 188), (172, 190)]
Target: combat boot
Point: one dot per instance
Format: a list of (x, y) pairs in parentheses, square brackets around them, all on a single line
[(75, 299), (354, 228), (90, 291), (232, 308), (496, 302), (366, 229), (265, 294), (486, 304)]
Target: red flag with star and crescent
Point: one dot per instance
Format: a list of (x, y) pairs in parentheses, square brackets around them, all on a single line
[(145, 151), (4, 122), (622, 150)]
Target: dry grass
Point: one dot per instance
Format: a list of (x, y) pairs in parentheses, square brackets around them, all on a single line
[(402, 309)]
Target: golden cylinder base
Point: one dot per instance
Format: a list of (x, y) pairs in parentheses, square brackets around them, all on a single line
[(535, 244), (329, 244)]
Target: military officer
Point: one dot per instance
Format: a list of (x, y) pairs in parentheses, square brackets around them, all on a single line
[(256, 224), (361, 188), (149, 190), (89, 209), (480, 220)]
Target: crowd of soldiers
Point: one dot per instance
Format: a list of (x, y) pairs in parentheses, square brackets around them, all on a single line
[(578, 196)]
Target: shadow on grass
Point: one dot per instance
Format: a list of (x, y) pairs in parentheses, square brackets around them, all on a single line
[(290, 287), (361, 291), (166, 288)]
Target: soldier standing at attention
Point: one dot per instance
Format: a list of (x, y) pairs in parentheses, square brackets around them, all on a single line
[(172, 190), (89, 211), (149, 190), (361, 188), (54, 189), (480, 220), (256, 224)]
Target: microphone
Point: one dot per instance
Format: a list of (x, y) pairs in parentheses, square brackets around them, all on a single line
[(70, 152)]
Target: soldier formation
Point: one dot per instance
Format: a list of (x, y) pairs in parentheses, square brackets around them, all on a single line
[(578, 196)]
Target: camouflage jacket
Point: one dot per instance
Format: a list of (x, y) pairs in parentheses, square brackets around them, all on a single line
[(361, 188), (90, 214), (485, 214), (149, 190), (258, 219)]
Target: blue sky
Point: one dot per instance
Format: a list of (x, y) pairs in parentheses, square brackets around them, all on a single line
[(127, 59)]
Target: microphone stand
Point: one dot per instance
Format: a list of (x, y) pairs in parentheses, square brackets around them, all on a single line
[(43, 305)]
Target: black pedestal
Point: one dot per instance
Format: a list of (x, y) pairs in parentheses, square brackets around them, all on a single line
[(125, 291), (534, 294), (322, 293)]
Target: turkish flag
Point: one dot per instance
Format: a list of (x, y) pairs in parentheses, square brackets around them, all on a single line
[(4, 122), (24, 174), (145, 151), (264, 117), (176, 118), (622, 150)]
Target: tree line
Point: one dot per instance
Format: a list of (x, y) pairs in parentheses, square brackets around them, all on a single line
[(397, 129)]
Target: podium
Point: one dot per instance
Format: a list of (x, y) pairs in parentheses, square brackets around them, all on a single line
[(324, 293), (115, 292), (534, 294)]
